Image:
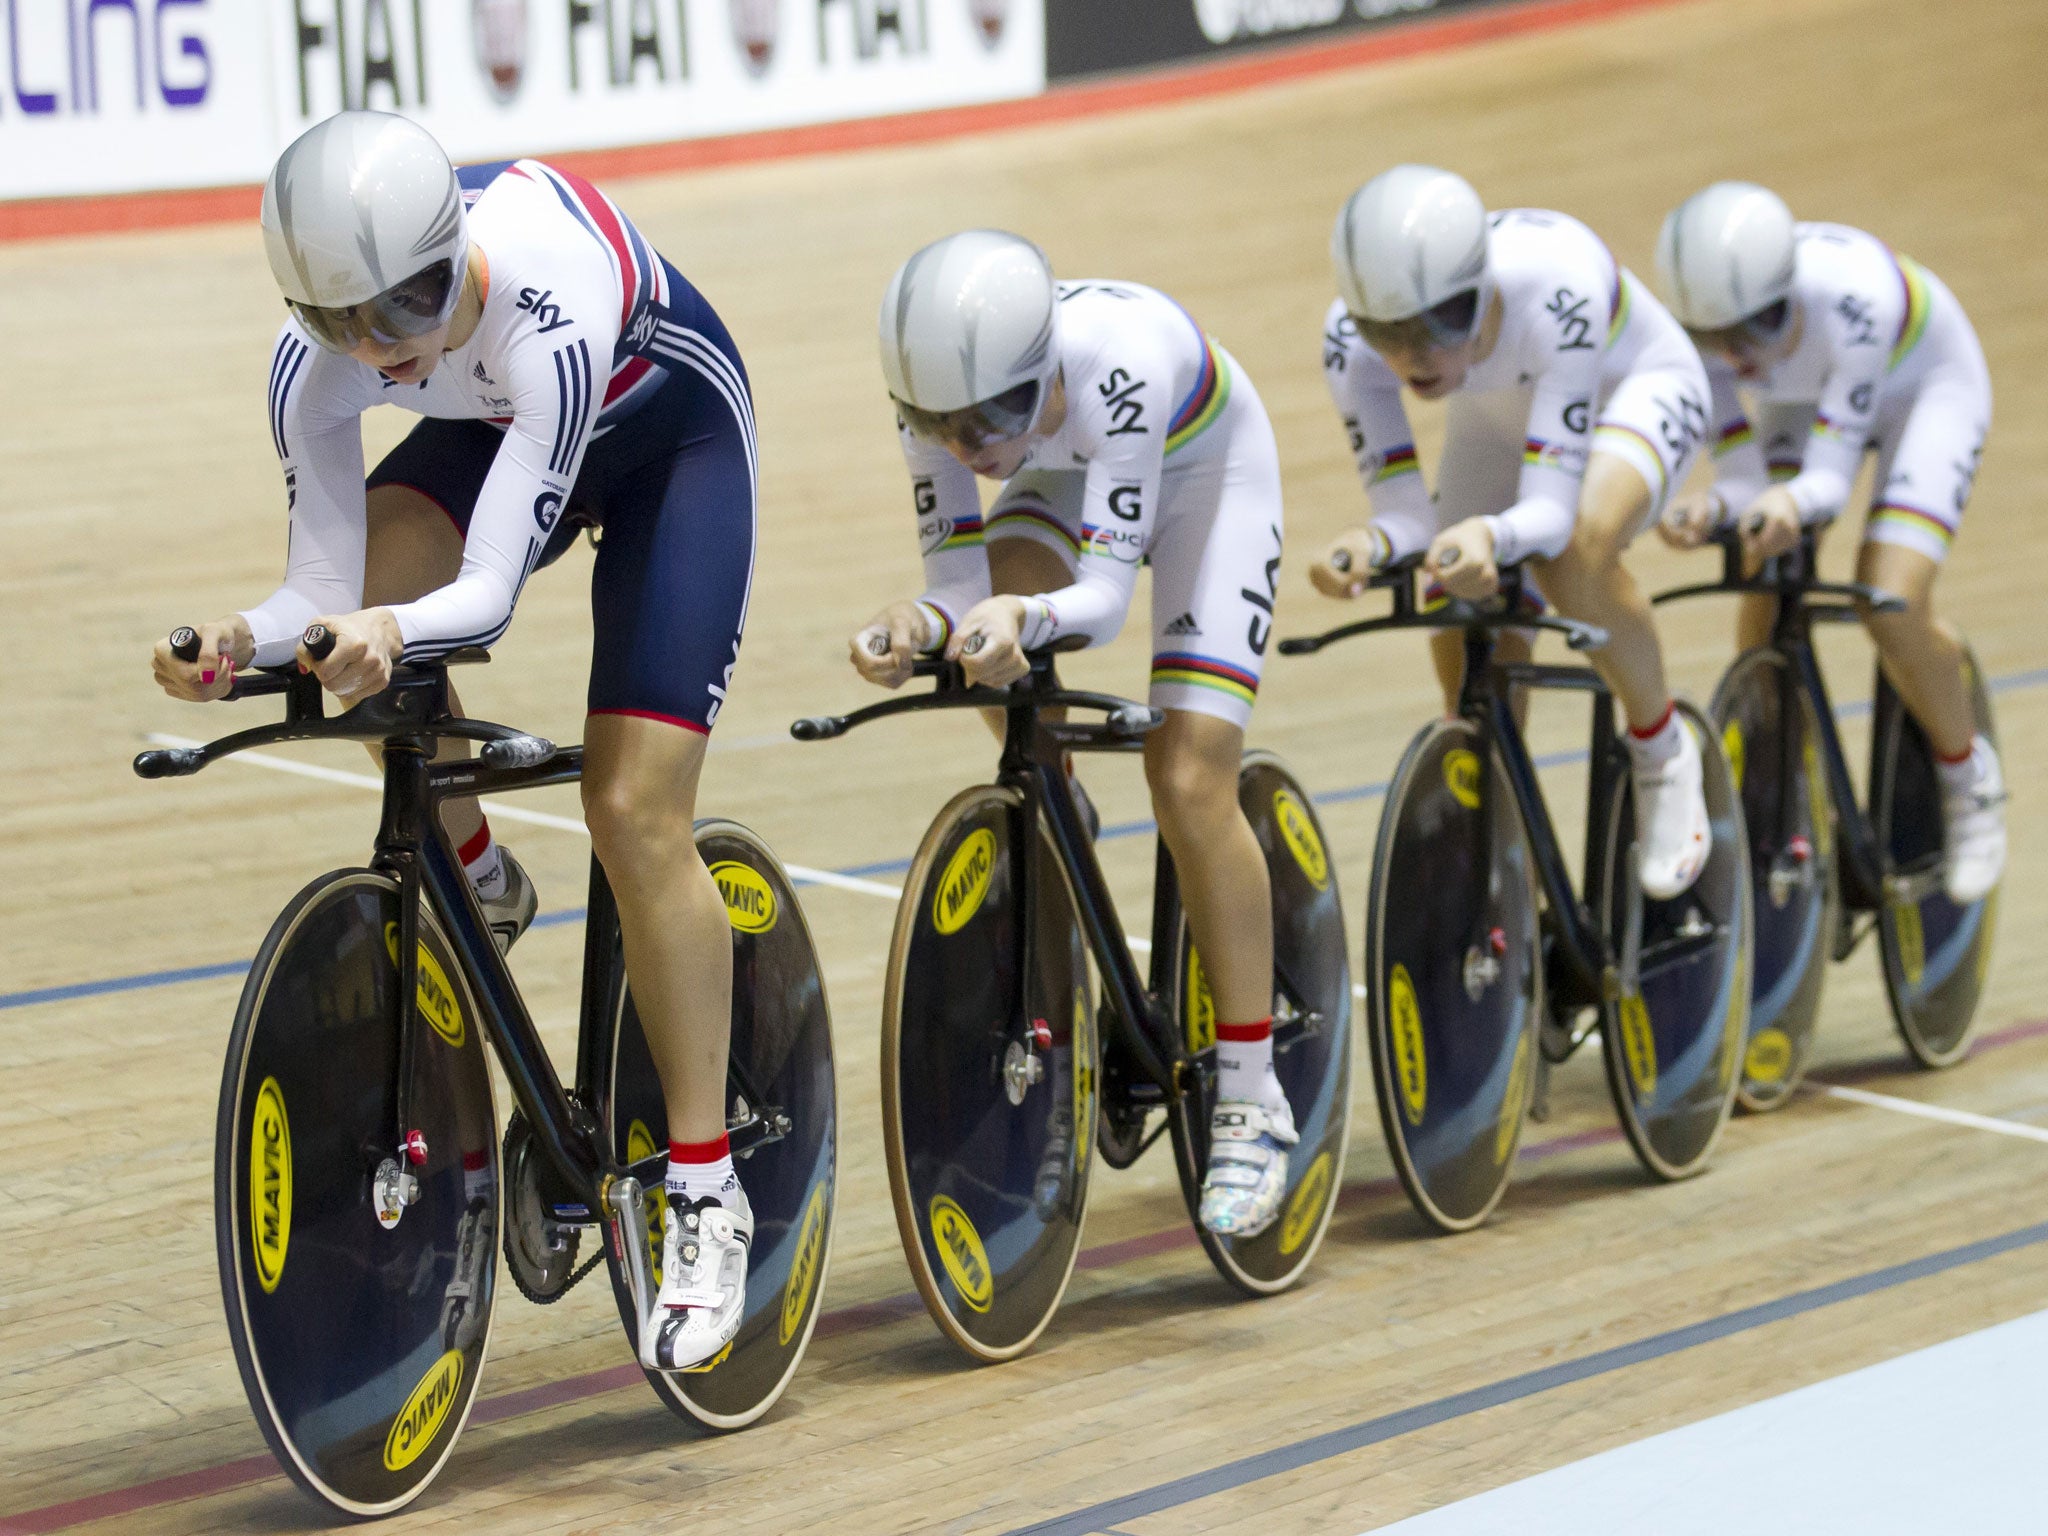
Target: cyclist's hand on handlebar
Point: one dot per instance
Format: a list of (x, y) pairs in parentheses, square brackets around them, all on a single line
[(1343, 569), (225, 647), (367, 646), (1769, 527), (887, 644), (1691, 520), (988, 643), (1461, 560)]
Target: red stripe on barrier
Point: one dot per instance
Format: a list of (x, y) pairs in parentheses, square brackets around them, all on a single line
[(51, 218)]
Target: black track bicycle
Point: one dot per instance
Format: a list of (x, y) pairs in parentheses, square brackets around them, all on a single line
[(361, 1188), (1004, 1075), (1826, 870), (1484, 967)]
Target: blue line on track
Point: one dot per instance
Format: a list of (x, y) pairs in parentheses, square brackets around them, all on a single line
[(147, 979), (1097, 1518)]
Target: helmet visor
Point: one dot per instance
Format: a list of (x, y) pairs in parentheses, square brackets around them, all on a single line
[(1448, 324), (1747, 336), (422, 303), (1001, 419)]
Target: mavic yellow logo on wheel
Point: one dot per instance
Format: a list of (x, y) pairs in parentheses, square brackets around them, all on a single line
[(1083, 1048), (270, 1185), (1298, 828), (424, 1412), (749, 903), (961, 1252), (1817, 801), (1305, 1205), (1404, 1023), (431, 991), (1731, 743), (804, 1268), (1512, 1102), (1639, 1045), (1769, 1056), (1198, 1007), (964, 885), (1461, 776), (640, 1146), (1912, 940)]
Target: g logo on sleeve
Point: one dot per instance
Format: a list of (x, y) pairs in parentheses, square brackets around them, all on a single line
[(547, 507), (1127, 501)]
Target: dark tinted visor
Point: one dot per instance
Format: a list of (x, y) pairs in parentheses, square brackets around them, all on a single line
[(1749, 334), (997, 420), (404, 310), (1448, 324)]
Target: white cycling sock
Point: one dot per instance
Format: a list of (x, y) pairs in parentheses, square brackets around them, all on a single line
[(484, 862), (1244, 1063), (700, 1168), (1657, 744)]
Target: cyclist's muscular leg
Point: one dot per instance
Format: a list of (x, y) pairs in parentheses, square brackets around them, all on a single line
[(412, 549), (1920, 654), (640, 799), (1588, 582), (1191, 765)]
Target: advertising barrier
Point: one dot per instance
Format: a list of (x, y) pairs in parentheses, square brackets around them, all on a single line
[(1087, 37), (130, 95)]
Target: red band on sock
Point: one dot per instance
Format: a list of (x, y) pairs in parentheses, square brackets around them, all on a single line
[(475, 1162), (476, 847), (1960, 758), (1646, 732), (1246, 1034), (699, 1151)]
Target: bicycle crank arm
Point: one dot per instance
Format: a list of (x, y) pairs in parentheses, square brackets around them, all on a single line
[(628, 1223)]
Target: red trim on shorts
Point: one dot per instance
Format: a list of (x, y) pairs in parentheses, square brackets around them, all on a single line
[(476, 847), (426, 495), (1245, 1034), (699, 1151), (1644, 733), (650, 714)]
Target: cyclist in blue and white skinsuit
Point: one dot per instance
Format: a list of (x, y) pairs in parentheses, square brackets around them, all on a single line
[(1121, 432), (1846, 346), (1576, 408), (569, 377)]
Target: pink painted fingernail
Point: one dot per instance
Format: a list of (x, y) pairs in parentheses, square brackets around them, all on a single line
[(206, 676)]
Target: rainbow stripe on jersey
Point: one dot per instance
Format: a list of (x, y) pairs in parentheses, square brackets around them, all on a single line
[(1205, 402), (1919, 303), (1897, 515), (1737, 434), (1205, 672), (1396, 462), (966, 534)]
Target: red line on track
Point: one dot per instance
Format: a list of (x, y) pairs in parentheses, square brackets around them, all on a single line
[(50, 218)]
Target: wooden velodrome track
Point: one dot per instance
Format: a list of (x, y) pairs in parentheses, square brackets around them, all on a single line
[(141, 492)]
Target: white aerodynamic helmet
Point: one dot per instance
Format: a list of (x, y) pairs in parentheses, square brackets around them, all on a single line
[(1725, 255), (364, 228), (1411, 245), (969, 335)]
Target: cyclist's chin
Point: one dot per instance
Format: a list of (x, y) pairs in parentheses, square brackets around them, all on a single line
[(1001, 461)]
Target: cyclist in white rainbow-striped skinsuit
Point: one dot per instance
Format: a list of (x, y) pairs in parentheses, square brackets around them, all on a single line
[(1845, 346)]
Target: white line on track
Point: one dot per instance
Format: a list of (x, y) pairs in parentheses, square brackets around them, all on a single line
[(1933, 1112), (507, 812)]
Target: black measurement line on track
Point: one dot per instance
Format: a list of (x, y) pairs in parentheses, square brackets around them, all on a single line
[(1097, 1519)]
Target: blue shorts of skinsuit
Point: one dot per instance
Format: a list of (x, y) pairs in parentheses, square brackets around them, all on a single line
[(671, 491)]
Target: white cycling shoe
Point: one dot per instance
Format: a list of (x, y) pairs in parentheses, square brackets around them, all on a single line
[(1247, 1166), (462, 1311), (1973, 828), (1673, 833), (510, 913), (704, 1246)]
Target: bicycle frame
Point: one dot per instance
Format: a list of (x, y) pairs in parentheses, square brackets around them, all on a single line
[(1792, 581)]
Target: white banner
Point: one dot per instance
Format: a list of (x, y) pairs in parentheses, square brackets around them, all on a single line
[(113, 95)]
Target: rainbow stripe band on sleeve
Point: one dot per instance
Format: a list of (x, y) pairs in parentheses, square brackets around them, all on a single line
[(1398, 461), (1627, 443), (1784, 469), (1203, 672), (1036, 517), (1822, 427), (1737, 434), (1624, 301), (966, 534), (1535, 450), (1205, 401), (1919, 301), (1911, 517)]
